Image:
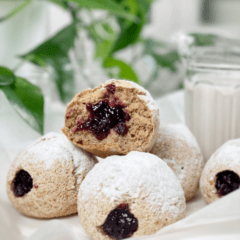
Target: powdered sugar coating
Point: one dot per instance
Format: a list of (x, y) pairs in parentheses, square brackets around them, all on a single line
[(177, 146), (54, 146), (227, 155), (147, 97), (132, 175), (179, 131)]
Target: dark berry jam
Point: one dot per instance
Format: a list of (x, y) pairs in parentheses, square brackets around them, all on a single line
[(120, 223), (111, 88), (106, 114), (22, 183), (226, 182)]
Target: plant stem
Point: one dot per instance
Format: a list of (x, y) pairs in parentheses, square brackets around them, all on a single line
[(19, 65), (79, 62), (136, 55), (152, 78), (15, 10)]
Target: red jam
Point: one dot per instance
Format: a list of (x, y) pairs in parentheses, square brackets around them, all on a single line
[(105, 115)]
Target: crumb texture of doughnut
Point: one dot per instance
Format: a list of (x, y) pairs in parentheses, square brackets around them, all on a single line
[(115, 118), (177, 146), (43, 180), (221, 174), (137, 192)]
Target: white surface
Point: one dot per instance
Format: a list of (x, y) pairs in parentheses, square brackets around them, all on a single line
[(220, 220)]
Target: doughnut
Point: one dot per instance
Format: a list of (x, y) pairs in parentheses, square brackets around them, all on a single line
[(114, 118), (177, 146), (128, 196), (221, 174), (43, 180)]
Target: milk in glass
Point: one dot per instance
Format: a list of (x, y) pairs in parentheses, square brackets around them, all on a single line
[(212, 100)]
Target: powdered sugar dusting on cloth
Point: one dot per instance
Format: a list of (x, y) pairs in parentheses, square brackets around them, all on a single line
[(179, 131), (228, 155), (136, 174), (54, 146), (147, 98)]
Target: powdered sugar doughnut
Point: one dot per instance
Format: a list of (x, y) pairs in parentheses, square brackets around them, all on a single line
[(43, 179), (221, 174), (177, 146), (132, 195), (115, 118)]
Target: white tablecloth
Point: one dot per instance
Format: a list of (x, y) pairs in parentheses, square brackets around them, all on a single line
[(219, 220)]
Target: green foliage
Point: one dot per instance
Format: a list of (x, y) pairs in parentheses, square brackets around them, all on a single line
[(165, 60), (54, 54), (168, 60), (26, 99), (108, 5), (201, 39), (16, 10), (124, 71), (103, 43), (130, 16), (7, 77), (130, 31)]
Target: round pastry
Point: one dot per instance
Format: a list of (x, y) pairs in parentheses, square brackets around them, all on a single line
[(128, 196), (221, 174), (115, 118), (177, 146), (43, 179)]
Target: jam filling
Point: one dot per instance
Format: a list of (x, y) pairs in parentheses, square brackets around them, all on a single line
[(226, 182), (120, 223), (22, 183), (105, 115)]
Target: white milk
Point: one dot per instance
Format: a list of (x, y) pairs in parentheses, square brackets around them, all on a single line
[(212, 108)]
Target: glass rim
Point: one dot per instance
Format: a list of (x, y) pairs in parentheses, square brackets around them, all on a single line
[(212, 66)]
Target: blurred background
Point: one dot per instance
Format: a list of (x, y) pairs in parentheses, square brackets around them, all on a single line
[(64, 46)]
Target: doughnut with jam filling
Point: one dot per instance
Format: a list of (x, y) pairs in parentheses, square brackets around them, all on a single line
[(115, 118), (221, 174), (43, 180), (129, 196)]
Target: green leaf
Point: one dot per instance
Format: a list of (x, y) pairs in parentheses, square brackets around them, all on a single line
[(124, 71), (103, 49), (54, 54), (103, 42), (151, 44), (168, 60), (130, 32), (108, 5), (16, 10), (7, 77), (201, 39), (27, 100), (61, 3)]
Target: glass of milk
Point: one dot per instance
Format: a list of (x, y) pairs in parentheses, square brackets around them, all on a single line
[(212, 97)]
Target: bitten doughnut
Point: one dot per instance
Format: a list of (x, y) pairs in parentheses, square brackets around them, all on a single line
[(115, 118), (221, 174), (129, 196), (177, 146), (43, 179)]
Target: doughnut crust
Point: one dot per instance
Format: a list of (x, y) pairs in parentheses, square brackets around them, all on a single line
[(55, 168), (142, 127), (141, 180), (226, 158), (177, 146)]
